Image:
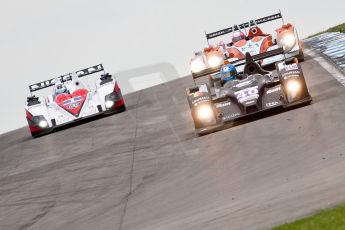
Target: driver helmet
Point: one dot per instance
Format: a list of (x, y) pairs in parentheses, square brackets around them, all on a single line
[(60, 88), (228, 72), (238, 36)]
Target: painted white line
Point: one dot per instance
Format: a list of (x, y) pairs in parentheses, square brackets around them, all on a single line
[(334, 71), (335, 49), (337, 52)]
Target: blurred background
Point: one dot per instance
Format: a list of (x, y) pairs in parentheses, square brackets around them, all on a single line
[(144, 42)]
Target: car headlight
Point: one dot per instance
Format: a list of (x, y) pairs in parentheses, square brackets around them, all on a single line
[(288, 41), (205, 113), (293, 89), (40, 121), (293, 86), (109, 104), (197, 65), (43, 124), (214, 61), (110, 100)]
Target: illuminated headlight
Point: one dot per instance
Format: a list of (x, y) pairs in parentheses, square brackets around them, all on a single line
[(215, 61), (110, 100), (109, 104), (288, 42), (43, 124), (293, 89), (205, 113), (293, 86), (197, 65), (40, 121)]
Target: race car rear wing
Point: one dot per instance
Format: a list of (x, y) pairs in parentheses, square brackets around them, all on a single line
[(239, 62), (244, 25), (66, 77)]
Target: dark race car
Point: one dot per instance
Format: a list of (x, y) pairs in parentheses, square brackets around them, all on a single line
[(254, 91)]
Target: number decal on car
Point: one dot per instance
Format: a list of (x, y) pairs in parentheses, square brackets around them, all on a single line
[(247, 94)]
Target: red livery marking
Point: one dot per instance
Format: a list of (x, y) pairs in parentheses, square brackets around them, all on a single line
[(72, 102), (28, 115), (119, 103), (117, 89), (256, 39), (240, 43), (34, 128)]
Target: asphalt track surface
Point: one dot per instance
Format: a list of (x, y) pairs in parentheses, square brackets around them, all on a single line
[(145, 169)]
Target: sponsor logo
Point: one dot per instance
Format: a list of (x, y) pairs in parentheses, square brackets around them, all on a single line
[(73, 105), (273, 90), (271, 104), (258, 21), (232, 116), (269, 18), (73, 102), (218, 33), (221, 105), (252, 48), (90, 70), (74, 99), (249, 102), (200, 99), (295, 73), (293, 66), (65, 78)]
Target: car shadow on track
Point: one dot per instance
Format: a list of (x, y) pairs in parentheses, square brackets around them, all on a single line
[(79, 123), (256, 117), (326, 90)]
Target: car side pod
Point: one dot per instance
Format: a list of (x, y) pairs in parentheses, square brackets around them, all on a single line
[(202, 108), (38, 125), (293, 82), (114, 102)]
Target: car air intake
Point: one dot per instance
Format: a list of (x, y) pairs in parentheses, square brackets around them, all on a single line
[(251, 109)]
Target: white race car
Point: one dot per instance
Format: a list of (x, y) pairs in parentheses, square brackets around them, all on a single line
[(71, 101)]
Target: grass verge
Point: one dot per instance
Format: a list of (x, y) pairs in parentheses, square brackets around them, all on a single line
[(329, 219), (338, 28)]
